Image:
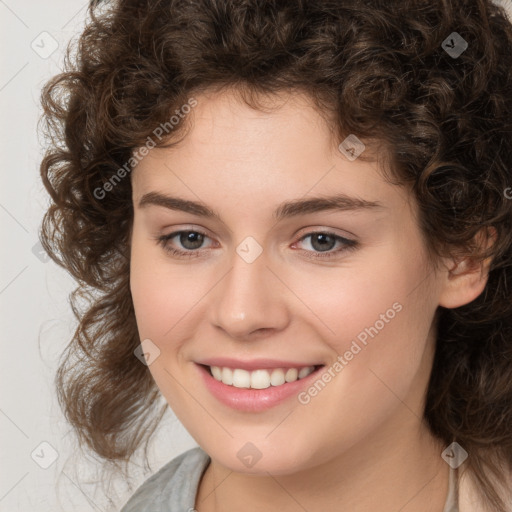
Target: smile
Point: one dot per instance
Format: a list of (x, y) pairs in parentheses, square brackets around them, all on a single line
[(257, 387), (259, 379)]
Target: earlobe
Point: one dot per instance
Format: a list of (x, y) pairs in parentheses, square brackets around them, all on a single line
[(467, 278)]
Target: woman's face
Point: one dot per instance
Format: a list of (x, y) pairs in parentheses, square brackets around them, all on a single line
[(267, 285)]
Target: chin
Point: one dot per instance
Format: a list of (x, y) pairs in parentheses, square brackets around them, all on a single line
[(247, 458)]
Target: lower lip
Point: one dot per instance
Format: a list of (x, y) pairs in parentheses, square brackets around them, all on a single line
[(254, 400)]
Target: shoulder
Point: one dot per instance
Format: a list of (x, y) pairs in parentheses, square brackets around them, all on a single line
[(173, 487)]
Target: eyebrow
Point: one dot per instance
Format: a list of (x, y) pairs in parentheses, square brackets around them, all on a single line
[(338, 202)]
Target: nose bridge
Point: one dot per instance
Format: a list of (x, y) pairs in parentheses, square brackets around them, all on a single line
[(247, 300)]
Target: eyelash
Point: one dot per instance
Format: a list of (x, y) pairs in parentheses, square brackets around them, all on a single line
[(349, 245)]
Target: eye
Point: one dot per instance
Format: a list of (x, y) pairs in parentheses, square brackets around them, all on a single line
[(190, 240), (324, 242)]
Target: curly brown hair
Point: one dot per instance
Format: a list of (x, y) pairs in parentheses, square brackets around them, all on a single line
[(379, 69)]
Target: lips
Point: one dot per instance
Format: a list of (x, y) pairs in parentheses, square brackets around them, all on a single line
[(256, 385)]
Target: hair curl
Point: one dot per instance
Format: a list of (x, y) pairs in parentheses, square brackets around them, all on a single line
[(379, 68)]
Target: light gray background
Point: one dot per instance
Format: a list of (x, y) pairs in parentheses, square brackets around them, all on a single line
[(35, 318)]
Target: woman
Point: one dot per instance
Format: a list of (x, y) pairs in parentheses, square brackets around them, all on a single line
[(295, 219)]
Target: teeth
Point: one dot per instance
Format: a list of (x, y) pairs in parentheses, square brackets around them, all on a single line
[(277, 378), (303, 372), (241, 378), (291, 375), (227, 375), (217, 372), (259, 379)]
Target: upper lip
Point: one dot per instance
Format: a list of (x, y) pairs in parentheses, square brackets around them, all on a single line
[(254, 364)]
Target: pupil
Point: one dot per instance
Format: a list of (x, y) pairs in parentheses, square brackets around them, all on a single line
[(191, 240), (325, 240)]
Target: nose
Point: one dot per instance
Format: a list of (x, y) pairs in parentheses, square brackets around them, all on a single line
[(249, 301)]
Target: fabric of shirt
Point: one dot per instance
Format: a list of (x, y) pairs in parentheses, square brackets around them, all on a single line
[(174, 487)]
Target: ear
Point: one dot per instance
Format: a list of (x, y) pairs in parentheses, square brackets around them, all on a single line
[(466, 279)]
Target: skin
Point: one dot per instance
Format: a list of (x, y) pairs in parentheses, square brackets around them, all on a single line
[(361, 442)]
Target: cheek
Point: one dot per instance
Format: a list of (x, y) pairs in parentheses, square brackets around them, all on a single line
[(148, 293), (162, 297), (162, 293), (377, 319), (383, 364), (346, 302)]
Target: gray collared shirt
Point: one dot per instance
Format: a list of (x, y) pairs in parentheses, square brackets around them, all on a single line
[(173, 488)]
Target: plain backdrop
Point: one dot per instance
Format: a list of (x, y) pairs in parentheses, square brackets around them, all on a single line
[(42, 469)]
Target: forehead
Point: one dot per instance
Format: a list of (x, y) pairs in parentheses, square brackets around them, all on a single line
[(286, 149)]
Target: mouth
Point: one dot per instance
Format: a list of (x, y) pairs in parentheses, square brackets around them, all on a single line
[(258, 389), (260, 378)]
